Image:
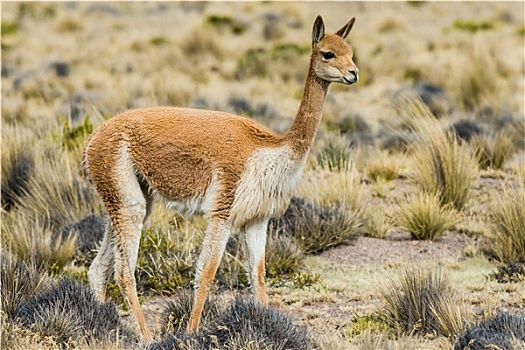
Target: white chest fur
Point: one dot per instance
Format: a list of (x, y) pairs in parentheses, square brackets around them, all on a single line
[(266, 186)]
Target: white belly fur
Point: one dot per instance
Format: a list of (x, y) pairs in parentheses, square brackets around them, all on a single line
[(266, 186)]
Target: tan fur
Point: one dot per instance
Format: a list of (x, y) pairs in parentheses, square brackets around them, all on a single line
[(229, 168)]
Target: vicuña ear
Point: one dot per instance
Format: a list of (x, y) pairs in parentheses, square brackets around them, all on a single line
[(343, 32), (318, 31)]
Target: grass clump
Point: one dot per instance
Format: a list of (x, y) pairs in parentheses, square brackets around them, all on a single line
[(507, 231), (335, 155), (422, 301), (73, 137), (424, 216), (35, 245), (371, 323), (378, 226), (444, 167), (505, 330), (164, 265), (492, 150)]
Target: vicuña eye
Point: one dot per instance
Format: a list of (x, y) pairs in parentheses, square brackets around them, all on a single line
[(328, 55)]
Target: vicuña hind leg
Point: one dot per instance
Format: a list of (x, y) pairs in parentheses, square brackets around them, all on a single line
[(255, 236), (213, 247), (127, 239), (102, 266)]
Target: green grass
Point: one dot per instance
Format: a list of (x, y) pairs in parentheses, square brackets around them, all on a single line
[(473, 26)]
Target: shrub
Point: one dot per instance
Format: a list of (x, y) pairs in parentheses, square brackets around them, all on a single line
[(492, 150), (467, 129), (512, 272), (422, 301), (88, 232), (424, 217), (244, 324), (68, 312), (19, 282), (503, 331), (444, 167), (316, 228), (177, 310), (507, 231)]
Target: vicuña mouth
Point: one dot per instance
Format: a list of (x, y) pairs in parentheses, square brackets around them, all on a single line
[(349, 81)]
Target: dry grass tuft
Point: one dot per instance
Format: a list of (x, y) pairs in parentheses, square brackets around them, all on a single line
[(507, 231), (28, 241), (422, 301), (492, 150), (424, 216), (18, 166), (444, 167)]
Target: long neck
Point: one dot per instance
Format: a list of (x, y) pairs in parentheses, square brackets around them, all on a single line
[(302, 132)]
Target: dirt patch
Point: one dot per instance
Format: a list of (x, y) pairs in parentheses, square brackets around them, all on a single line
[(399, 246)]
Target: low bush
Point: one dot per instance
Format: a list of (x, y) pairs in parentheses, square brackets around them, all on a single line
[(503, 331), (424, 217), (177, 310), (69, 313), (243, 324), (422, 301), (315, 228), (19, 282), (510, 272)]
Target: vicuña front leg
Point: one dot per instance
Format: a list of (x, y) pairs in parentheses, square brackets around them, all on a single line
[(256, 244), (213, 247)]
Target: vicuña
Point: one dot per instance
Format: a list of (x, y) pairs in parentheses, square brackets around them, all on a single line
[(235, 172)]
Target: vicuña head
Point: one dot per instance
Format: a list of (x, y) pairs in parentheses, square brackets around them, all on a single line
[(235, 172)]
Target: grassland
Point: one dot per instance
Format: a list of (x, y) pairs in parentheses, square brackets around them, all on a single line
[(413, 190)]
